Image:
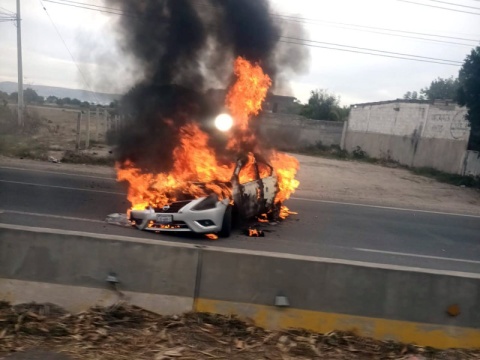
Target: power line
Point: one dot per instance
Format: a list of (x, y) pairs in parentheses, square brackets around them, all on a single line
[(400, 35), (439, 7), (367, 53), (379, 51), (449, 3), (281, 16), (304, 42), (71, 55), (7, 11), (79, 5), (377, 28)]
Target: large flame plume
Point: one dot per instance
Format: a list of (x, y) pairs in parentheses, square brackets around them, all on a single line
[(197, 170)]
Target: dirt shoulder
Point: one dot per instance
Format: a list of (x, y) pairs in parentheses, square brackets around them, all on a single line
[(337, 180), (358, 182)]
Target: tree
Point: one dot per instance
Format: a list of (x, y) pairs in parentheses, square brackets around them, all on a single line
[(441, 89), (14, 96), (30, 96), (52, 99), (323, 106), (468, 95), (413, 95)]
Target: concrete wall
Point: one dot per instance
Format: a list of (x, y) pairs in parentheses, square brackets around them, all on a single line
[(294, 131), (471, 164), (73, 267), (416, 134), (385, 302)]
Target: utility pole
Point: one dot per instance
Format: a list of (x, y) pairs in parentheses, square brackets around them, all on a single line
[(20, 69)]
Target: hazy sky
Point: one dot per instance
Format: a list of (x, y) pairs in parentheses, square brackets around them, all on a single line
[(355, 77)]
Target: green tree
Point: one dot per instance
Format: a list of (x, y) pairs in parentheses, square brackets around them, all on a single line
[(323, 105), (413, 95), (30, 96), (52, 99), (441, 89), (468, 94)]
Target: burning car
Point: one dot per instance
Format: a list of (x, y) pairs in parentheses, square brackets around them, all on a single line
[(253, 188)]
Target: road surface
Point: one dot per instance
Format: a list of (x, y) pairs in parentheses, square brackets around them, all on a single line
[(76, 201)]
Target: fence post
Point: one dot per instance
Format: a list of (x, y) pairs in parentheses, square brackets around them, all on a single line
[(105, 122), (79, 118), (87, 138), (97, 123), (344, 134)]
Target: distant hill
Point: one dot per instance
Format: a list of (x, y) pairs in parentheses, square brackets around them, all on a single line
[(46, 91)]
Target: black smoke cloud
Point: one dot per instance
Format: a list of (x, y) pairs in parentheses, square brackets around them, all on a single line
[(182, 47)]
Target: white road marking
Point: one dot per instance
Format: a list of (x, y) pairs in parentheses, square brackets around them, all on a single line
[(63, 187), (58, 173), (50, 216), (417, 255), (386, 207)]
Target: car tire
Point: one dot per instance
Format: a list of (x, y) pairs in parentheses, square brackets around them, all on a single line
[(226, 223)]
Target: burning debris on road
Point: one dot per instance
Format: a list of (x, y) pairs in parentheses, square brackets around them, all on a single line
[(169, 152)]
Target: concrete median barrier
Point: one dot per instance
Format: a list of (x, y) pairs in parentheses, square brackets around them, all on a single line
[(385, 302), (435, 308), (71, 269)]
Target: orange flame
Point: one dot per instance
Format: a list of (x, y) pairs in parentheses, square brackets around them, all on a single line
[(196, 170), (246, 96)]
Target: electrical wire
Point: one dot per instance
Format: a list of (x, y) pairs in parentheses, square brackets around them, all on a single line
[(405, 36), (367, 53), (367, 49), (88, 8), (71, 55), (449, 3), (439, 7), (8, 11), (281, 16), (297, 41), (309, 21)]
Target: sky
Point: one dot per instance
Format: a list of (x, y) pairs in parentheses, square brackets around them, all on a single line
[(76, 48)]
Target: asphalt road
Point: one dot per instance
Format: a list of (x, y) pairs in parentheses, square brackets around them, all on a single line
[(75, 201)]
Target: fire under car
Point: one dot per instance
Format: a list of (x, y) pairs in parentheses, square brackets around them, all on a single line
[(209, 214)]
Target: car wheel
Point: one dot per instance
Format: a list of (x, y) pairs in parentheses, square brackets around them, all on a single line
[(226, 223)]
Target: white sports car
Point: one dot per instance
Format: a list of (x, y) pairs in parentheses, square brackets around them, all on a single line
[(208, 214)]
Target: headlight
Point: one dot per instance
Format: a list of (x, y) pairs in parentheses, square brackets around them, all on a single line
[(210, 202)]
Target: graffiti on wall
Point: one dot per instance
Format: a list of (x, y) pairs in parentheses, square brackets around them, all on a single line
[(451, 125)]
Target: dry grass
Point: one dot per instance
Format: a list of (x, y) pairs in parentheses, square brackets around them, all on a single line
[(51, 131), (128, 332)]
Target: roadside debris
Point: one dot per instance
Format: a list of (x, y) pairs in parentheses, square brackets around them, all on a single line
[(118, 219), (127, 332), (53, 160)]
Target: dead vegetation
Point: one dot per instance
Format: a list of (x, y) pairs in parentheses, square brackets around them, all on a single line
[(128, 332), (51, 132)]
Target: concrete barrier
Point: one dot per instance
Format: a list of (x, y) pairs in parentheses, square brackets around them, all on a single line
[(384, 302), (70, 269)]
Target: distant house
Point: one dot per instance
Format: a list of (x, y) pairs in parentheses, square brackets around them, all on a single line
[(273, 103), (280, 104)]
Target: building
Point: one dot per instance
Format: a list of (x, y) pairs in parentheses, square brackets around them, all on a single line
[(416, 133)]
